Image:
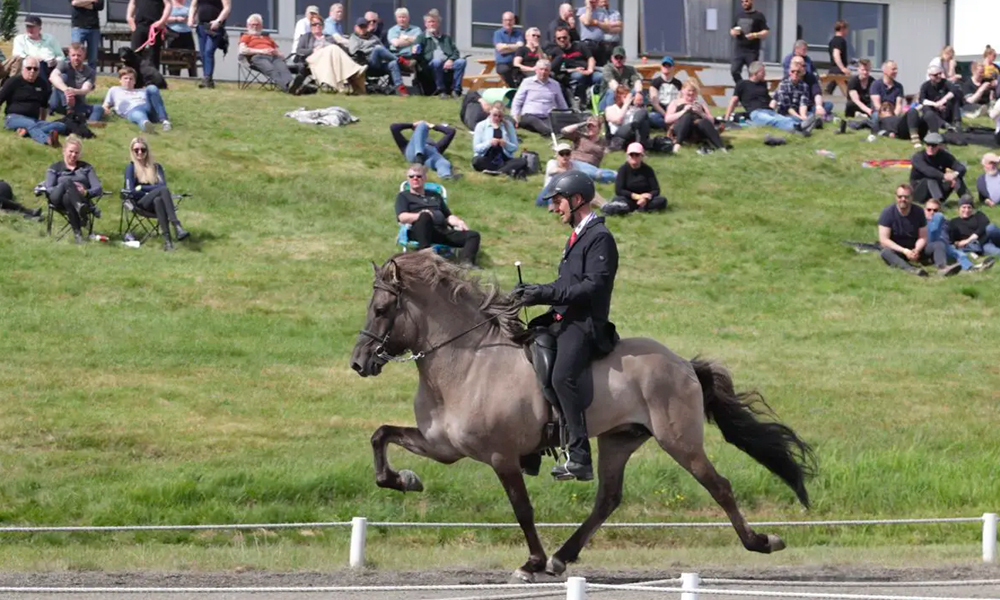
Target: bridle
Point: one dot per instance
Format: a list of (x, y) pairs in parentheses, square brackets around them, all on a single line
[(380, 350)]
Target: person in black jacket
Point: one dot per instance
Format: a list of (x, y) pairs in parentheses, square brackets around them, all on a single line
[(431, 222), (971, 231), (71, 184), (26, 100), (420, 148), (935, 173), (581, 301), (8, 203), (144, 16), (937, 100), (636, 187)]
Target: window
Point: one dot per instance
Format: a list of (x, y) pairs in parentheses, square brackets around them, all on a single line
[(117, 10), (46, 7), (242, 9), (866, 36), (663, 27), (530, 13)]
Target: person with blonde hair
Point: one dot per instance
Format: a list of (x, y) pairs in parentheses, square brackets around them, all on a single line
[(146, 185), (990, 69), (946, 62), (71, 183), (528, 55), (691, 119)]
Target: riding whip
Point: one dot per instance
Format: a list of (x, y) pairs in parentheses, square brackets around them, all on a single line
[(520, 281)]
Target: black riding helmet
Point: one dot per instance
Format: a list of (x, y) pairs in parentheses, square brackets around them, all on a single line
[(569, 184)]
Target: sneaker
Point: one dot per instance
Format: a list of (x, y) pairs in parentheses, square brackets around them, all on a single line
[(167, 126), (456, 94), (950, 270), (453, 177), (146, 127), (443, 96), (211, 84), (203, 83), (54, 139), (986, 264), (573, 470), (402, 91), (704, 150), (808, 125)]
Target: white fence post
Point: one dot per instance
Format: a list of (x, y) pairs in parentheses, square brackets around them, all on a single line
[(990, 537), (359, 528), (689, 586), (576, 588)]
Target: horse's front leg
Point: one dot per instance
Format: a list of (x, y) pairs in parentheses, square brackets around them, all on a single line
[(513, 483), (414, 441)]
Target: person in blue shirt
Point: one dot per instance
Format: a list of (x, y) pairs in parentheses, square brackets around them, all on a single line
[(403, 36), (506, 42), (333, 25), (937, 231)]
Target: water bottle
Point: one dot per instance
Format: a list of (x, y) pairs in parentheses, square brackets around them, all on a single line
[(131, 243)]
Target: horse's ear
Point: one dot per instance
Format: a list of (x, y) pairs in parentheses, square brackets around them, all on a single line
[(391, 272), (375, 268)]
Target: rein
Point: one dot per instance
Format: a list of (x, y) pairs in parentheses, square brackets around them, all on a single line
[(382, 341)]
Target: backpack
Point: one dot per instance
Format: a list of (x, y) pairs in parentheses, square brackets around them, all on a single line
[(533, 160)]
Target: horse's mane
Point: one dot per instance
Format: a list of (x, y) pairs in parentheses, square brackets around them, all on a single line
[(429, 269)]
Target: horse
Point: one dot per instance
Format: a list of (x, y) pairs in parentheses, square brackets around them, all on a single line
[(478, 398)]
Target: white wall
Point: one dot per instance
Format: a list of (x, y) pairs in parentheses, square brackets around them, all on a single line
[(975, 25)]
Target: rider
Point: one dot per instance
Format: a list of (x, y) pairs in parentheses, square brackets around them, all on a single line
[(581, 300)]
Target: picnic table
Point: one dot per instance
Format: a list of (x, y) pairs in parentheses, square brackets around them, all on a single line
[(708, 92), (487, 79)]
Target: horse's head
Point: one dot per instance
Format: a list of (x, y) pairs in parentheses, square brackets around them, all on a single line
[(384, 335)]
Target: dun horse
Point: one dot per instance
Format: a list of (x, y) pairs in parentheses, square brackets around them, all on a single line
[(478, 398)]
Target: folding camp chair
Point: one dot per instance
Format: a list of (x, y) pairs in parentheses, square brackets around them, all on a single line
[(141, 223), (560, 119), (402, 236), (247, 76), (86, 217)]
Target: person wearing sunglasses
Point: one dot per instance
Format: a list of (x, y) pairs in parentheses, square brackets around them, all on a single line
[(902, 234), (937, 100), (589, 149), (302, 25), (26, 100), (527, 56), (146, 185), (636, 187), (574, 66), (368, 47), (430, 220), (935, 172), (937, 230)]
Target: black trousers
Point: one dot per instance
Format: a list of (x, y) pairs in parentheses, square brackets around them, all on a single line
[(574, 384), (925, 189), (536, 124), (425, 233), (933, 252), (741, 59), (69, 201), (159, 202), (510, 74), (636, 130), (471, 112), (494, 160), (7, 199), (924, 121), (139, 37), (618, 204), (694, 128)]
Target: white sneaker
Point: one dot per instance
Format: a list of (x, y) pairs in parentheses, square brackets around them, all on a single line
[(146, 127), (167, 126)]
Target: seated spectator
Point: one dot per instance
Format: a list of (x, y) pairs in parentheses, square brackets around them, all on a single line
[(440, 54), (367, 48), (142, 107), (937, 106), (8, 203), (476, 106), (977, 92), (636, 187), (506, 42), (35, 44), (26, 100), (888, 90), (179, 36), (899, 126), (692, 120), (935, 173), (209, 20), (628, 120), (792, 96), (376, 26), (263, 55), (859, 98), (322, 57), (146, 185), (574, 67), (902, 233), (71, 81), (663, 89), (333, 25), (594, 21), (988, 184), (302, 25), (560, 164), (946, 62), (614, 74), (494, 144), (937, 230), (403, 36), (527, 56), (821, 108), (421, 149), (589, 148), (71, 184), (752, 94), (536, 98), (971, 231), (801, 50), (566, 20), (430, 220), (990, 68)]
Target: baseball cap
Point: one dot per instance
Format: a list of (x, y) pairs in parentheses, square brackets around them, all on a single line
[(33, 20), (989, 157), (618, 51), (361, 22), (965, 200), (563, 147), (933, 139), (635, 148), (667, 60), (312, 9)]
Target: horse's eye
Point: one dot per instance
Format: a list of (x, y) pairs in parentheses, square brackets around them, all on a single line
[(379, 311)]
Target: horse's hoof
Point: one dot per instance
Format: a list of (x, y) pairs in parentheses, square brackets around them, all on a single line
[(411, 483), (555, 567), (522, 576), (775, 543)]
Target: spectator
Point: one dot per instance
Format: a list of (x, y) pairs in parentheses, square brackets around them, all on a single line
[(302, 26), (811, 78), (902, 233), (366, 46), (567, 20), (376, 26), (801, 50), (977, 92), (142, 107), (617, 73), (71, 81), (71, 184), (421, 149), (839, 56), (263, 55), (611, 25), (35, 44), (146, 185), (179, 34), (327, 62), (752, 94), (747, 32), (476, 107), (946, 62), (536, 98), (86, 27), (143, 17), (527, 56), (663, 89), (990, 69), (594, 22), (888, 90), (937, 231), (589, 148), (494, 144), (859, 98), (560, 164), (935, 173), (209, 18), (792, 97), (333, 25), (636, 187), (971, 231), (26, 97), (988, 184), (575, 66), (8, 203), (403, 36), (430, 220), (628, 120), (692, 120), (937, 106), (506, 42), (440, 55)]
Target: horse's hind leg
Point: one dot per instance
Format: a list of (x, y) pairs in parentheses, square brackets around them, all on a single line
[(414, 441), (614, 450)]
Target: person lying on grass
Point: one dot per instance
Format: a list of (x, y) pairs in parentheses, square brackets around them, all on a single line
[(142, 107)]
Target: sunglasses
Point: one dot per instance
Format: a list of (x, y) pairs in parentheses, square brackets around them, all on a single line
[(30, 68), (561, 37), (139, 150), (635, 154), (931, 210), (414, 176), (902, 195), (618, 57), (373, 20), (565, 153)]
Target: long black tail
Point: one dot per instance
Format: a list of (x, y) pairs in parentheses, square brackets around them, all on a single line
[(770, 443)]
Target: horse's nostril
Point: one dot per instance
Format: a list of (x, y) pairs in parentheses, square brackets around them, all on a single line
[(356, 366)]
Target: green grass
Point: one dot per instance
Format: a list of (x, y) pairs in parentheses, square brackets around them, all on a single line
[(212, 384)]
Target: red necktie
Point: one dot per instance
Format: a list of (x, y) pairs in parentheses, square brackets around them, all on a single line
[(572, 239)]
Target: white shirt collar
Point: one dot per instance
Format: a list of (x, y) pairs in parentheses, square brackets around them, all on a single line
[(579, 228)]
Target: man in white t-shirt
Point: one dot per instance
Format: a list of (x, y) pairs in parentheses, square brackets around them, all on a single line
[(142, 107)]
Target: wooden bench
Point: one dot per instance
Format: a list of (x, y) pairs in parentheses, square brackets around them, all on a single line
[(709, 92), (183, 58), (482, 81)]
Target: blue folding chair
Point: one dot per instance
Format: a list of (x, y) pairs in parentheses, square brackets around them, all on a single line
[(403, 235)]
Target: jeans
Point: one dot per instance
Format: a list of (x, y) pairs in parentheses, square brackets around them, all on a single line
[(958, 256), (596, 173), (57, 104), (827, 106), (90, 38), (432, 158), (154, 110), (208, 42), (656, 120), (38, 130), (989, 246), (383, 60), (766, 117), (578, 83), (457, 73)]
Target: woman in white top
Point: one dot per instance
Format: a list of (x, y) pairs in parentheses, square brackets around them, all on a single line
[(627, 119), (947, 63), (560, 164)]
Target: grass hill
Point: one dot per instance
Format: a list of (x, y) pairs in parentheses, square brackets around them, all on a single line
[(212, 384)]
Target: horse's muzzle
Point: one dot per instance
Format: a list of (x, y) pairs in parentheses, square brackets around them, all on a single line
[(369, 366)]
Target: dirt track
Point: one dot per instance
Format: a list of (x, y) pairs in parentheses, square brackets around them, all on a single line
[(460, 577)]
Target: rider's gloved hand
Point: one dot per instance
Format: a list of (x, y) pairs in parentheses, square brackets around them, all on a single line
[(528, 294)]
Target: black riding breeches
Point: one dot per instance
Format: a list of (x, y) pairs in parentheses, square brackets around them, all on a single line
[(574, 384)]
